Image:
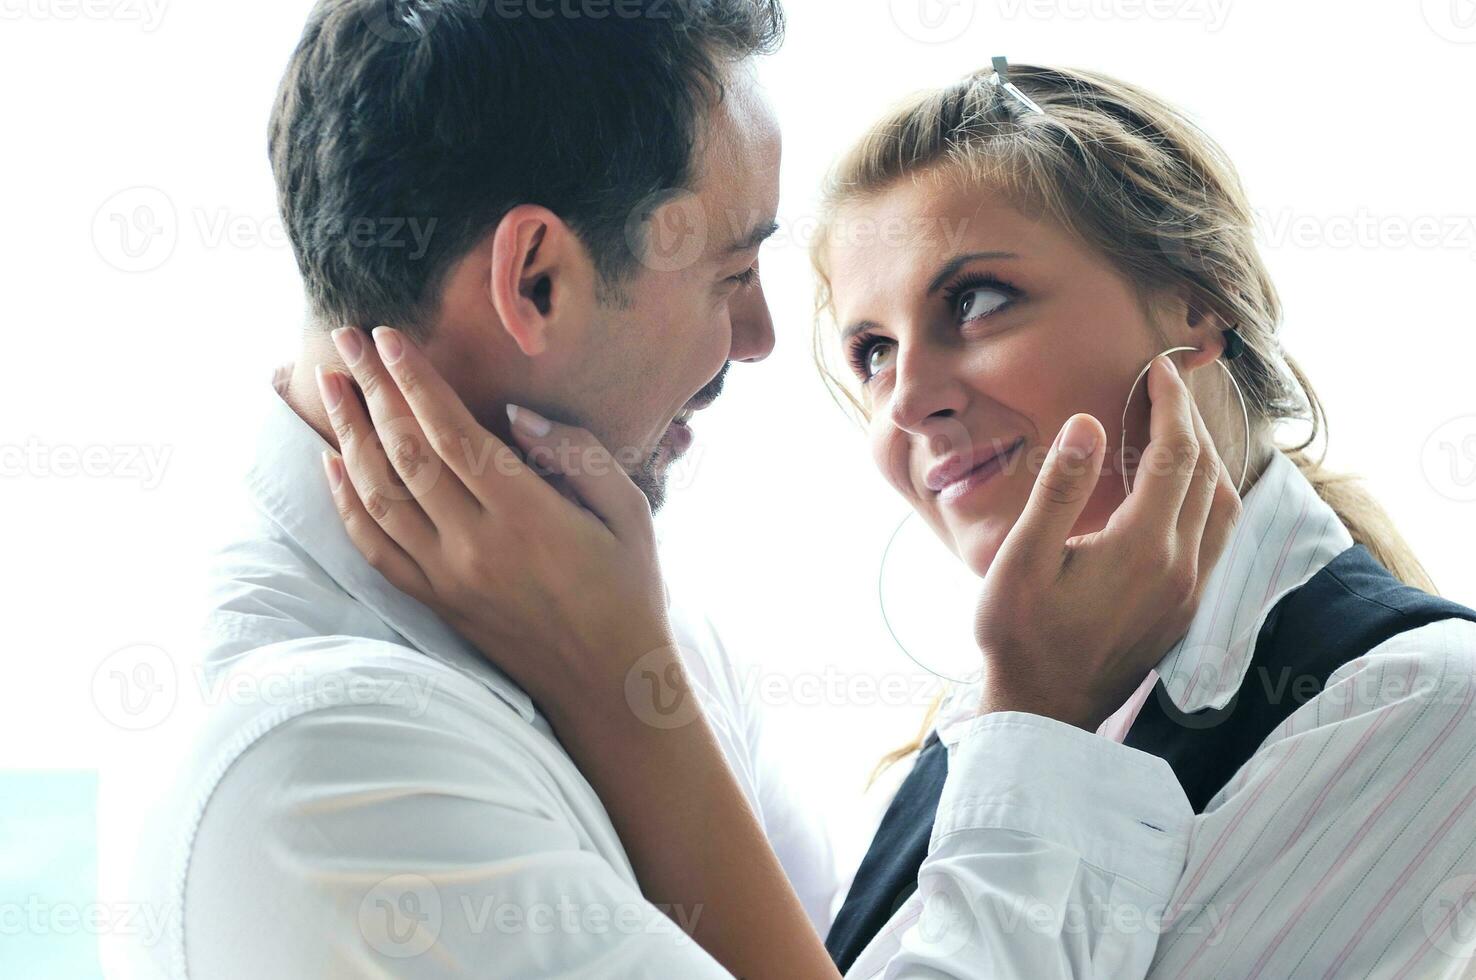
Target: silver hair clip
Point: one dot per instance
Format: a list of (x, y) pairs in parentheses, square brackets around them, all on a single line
[(1001, 77)]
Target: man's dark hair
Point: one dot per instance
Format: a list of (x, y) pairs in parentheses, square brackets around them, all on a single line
[(405, 129)]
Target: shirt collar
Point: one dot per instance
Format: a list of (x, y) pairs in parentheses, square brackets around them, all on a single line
[(287, 485), (1286, 535)]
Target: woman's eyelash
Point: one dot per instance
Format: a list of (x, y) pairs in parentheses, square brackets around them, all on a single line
[(747, 277), (859, 354), (966, 284)]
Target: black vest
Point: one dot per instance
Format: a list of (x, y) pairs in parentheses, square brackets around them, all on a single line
[(1344, 611)]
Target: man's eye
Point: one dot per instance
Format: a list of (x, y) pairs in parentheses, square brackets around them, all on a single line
[(976, 303), (747, 277)]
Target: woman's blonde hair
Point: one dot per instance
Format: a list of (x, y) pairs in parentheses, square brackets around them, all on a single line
[(1135, 179)]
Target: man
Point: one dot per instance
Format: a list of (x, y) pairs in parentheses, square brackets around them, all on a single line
[(564, 208)]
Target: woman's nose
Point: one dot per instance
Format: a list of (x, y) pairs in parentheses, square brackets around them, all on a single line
[(925, 387)]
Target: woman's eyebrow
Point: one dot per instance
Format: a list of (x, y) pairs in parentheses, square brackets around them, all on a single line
[(949, 269), (858, 327), (958, 262)]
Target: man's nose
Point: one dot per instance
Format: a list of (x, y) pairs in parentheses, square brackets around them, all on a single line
[(753, 327)]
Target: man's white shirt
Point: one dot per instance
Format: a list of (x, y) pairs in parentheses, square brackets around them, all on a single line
[(387, 803)]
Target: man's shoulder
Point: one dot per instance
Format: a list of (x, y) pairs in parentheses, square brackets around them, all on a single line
[(314, 716), (265, 590), (339, 751), (250, 694), (324, 700)]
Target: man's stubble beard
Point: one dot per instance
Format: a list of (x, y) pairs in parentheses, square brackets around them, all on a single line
[(651, 479), (653, 476)]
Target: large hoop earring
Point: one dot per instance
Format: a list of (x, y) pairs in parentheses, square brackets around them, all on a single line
[(881, 602), (1122, 449)]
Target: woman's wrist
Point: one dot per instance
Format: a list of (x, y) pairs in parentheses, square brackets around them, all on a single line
[(1062, 704), (652, 695), (670, 792)]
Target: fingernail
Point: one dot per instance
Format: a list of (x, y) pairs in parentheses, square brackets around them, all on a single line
[(349, 343), (1079, 437), (387, 339), (528, 422), (1172, 367), (330, 389), (333, 466)]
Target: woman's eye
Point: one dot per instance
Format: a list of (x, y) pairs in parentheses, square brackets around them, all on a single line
[(879, 358), (976, 303)]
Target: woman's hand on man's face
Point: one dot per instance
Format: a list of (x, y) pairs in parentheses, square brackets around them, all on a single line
[(564, 596), (1070, 626)]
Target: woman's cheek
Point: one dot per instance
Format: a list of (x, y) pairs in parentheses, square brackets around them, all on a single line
[(891, 452), (979, 546), (1103, 503)]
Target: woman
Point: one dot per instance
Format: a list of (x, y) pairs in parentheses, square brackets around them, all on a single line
[(1282, 794)]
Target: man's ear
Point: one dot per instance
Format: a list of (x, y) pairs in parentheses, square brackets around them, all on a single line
[(541, 276)]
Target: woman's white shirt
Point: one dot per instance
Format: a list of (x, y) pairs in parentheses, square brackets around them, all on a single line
[(1343, 848)]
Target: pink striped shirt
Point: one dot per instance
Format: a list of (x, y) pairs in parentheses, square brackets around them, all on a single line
[(1346, 847)]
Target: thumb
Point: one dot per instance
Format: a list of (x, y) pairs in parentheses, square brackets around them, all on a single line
[(591, 472), (1062, 488)]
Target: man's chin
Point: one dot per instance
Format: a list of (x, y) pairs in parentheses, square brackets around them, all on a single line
[(651, 477)]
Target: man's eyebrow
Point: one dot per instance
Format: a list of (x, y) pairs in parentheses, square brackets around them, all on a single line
[(951, 267), (755, 238)]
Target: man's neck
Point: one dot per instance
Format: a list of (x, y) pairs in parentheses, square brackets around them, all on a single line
[(297, 384)]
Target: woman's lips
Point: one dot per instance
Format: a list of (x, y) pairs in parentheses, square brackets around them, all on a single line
[(957, 477)]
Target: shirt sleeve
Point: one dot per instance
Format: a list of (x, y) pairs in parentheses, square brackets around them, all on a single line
[(1344, 847), (1051, 851), (790, 821), (365, 841)]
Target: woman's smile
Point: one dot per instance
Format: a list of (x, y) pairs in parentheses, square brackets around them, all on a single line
[(961, 476)]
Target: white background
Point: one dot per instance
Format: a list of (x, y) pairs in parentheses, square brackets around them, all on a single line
[(1350, 122)]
